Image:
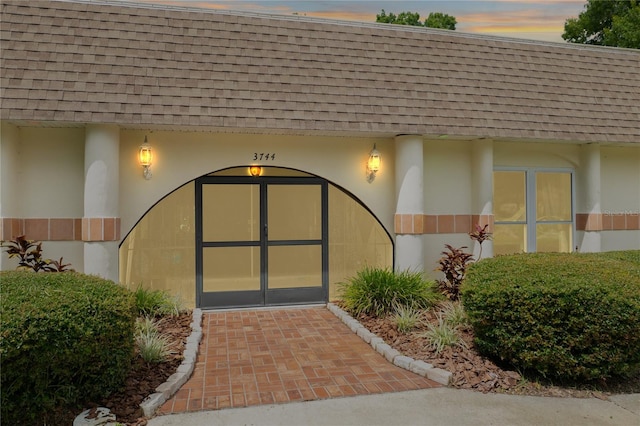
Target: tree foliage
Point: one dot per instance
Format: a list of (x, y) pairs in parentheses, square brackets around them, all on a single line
[(434, 20), (440, 20), (606, 23)]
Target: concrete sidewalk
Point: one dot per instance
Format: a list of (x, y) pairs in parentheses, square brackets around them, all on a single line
[(440, 406)]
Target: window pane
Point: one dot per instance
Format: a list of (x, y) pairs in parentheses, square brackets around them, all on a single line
[(509, 194), (159, 252), (554, 237), (230, 268), (295, 266), (294, 212), (232, 212), (509, 239), (553, 197), (356, 240)]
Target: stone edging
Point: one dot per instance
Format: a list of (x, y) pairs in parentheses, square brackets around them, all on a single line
[(392, 355), (182, 374)]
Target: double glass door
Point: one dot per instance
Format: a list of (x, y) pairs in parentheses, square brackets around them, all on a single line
[(261, 241)]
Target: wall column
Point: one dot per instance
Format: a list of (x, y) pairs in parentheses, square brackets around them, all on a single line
[(482, 192), (101, 221), (10, 195), (410, 202), (589, 214)]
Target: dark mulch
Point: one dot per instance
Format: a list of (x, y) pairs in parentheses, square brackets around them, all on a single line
[(472, 371)]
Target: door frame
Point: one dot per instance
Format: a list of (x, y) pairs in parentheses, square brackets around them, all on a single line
[(264, 296)]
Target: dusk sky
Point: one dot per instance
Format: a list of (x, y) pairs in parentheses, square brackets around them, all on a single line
[(531, 19)]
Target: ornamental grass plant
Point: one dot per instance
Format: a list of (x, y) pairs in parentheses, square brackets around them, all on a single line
[(406, 318), (377, 291)]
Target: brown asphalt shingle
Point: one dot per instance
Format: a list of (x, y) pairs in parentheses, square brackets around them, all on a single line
[(136, 65)]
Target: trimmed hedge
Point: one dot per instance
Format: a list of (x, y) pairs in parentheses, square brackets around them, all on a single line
[(565, 316), (66, 338)]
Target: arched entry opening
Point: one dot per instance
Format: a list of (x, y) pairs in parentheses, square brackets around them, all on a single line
[(229, 239)]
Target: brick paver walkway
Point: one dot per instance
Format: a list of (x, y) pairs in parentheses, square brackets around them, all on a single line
[(269, 356)]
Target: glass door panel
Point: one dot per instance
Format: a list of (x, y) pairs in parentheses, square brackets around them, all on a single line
[(261, 241), (509, 239), (554, 237), (553, 197), (509, 199), (294, 212), (231, 212), (295, 266), (230, 269)]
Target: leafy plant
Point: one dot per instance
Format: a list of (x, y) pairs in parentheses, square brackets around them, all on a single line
[(29, 254), (480, 235), (455, 261), (442, 335), (454, 265), (406, 318), (376, 291)]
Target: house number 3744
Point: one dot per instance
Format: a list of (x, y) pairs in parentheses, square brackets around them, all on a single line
[(264, 156)]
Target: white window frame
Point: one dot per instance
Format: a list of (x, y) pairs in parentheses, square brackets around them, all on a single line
[(531, 202)]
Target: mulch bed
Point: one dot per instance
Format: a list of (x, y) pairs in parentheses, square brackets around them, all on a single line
[(472, 371)]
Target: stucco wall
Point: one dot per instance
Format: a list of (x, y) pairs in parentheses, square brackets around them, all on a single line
[(620, 182), (182, 157), (43, 177)]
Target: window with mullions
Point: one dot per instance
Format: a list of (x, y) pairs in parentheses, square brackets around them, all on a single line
[(532, 211)]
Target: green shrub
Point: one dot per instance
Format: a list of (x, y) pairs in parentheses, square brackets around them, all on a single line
[(572, 317), (66, 338), (377, 291)]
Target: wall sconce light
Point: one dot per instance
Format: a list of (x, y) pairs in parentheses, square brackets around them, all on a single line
[(255, 171), (373, 164), (145, 157)]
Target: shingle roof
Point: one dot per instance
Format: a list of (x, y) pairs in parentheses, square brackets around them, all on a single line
[(135, 65)]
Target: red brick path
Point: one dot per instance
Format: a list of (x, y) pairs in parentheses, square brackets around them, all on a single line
[(269, 356)]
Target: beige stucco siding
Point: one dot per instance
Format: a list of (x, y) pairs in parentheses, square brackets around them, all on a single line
[(180, 157), (620, 181), (43, 178)]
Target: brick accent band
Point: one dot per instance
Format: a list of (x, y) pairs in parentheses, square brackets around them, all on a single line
[(609, 221), (62, 229), (418, 224)]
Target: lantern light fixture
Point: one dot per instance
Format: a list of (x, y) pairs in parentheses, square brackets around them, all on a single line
[(255, 171), (373, 164), (145, 157)]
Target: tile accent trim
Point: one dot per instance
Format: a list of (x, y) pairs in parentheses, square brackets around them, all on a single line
[(61, 229), (608, 221), (419, 224)]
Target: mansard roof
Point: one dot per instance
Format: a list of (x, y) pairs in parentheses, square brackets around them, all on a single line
[(136, 65)]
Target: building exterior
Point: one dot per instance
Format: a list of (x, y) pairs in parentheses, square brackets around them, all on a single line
[(541, 141)]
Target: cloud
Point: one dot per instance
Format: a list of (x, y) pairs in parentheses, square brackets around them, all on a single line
[(502, 17)]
